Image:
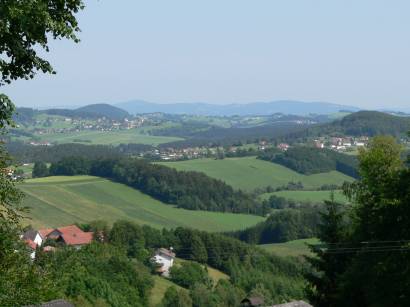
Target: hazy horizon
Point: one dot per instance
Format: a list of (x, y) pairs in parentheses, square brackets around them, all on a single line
[(234, 51)]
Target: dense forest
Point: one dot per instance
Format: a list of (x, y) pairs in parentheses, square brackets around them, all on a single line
[(309, 160), (188, 190), (282, 226)]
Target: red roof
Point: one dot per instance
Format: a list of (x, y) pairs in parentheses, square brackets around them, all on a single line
[(31, 244), (45, 232), (72, 235)]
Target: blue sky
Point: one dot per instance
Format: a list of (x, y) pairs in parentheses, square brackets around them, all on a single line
[(353, 52)]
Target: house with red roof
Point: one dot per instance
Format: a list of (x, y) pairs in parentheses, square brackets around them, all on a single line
[(69, 235)]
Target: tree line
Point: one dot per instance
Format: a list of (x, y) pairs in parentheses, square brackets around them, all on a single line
[(309, 160)]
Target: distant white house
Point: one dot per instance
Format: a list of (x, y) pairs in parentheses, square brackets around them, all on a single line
[(164, 258), (359, 144)]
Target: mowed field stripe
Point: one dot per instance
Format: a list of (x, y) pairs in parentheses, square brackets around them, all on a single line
[(48, 202)]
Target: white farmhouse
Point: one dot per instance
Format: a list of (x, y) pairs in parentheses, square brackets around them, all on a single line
[(34, 236), (164, 258)]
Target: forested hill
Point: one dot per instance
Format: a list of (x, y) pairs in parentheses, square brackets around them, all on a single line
[(91, 111), (103, 109), (364, 123)]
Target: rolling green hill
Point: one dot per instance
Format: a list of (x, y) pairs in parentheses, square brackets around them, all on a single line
[(61, 200), (369, 123), (90, 111), (249, 173)]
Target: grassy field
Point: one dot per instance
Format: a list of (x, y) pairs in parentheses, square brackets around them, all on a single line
[(61, 200), (250, 173), (162, 284), (107, 137), (294, 248), (160, 287), (311, 196), (214, 274)]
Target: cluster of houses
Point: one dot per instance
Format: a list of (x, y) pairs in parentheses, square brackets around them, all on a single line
[(77, 125), (174, 154), (73, 236), (341, 143)]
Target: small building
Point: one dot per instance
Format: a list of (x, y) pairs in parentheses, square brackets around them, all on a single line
[(319, 144), (283, 146), (164, 258), (359, 144), (71, 235), (33, 236)]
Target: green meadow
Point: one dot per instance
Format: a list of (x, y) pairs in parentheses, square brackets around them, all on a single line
[(161, 286), (249, 173), (107, 137), (60, 200), (310, 196), (296, 248)]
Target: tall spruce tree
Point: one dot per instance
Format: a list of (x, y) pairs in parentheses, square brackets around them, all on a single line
[(327, 263)]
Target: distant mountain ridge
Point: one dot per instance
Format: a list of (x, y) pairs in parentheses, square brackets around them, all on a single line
[(254, 108)]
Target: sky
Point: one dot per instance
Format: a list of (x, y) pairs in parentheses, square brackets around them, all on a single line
[(230, 51)]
